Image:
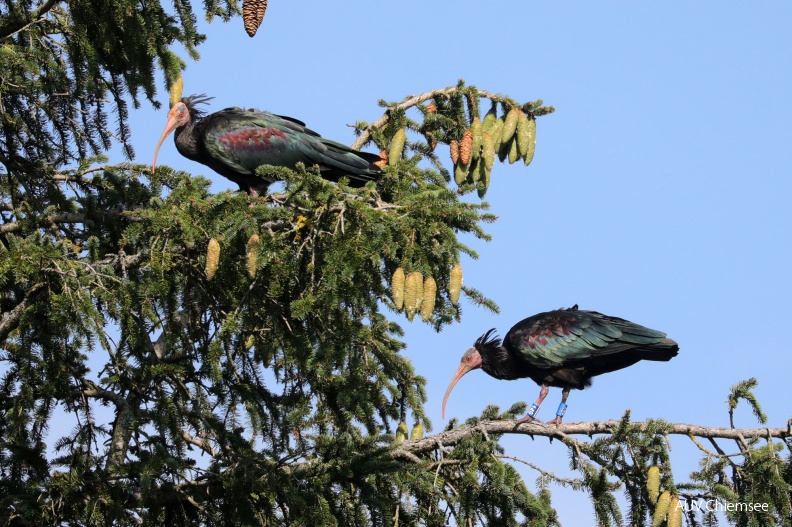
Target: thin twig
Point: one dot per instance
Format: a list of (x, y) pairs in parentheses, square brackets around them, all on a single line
[(544, 473)]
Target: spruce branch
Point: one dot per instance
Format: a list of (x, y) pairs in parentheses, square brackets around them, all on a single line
[(455, 435), (413, 100), (36, 16), (58, 217), (408, 102), (744, 390)]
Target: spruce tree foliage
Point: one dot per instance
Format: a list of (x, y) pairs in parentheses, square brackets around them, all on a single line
[(749, 484), (268, 391), (69, 70)]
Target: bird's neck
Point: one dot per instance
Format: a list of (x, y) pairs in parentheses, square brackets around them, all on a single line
[(499, 363), (187, 142)]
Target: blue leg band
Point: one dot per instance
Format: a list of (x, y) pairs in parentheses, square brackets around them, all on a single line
[(533, 409), (561, 410)]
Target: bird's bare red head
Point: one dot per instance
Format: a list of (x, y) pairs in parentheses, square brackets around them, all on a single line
[(180, 115), (471, 360)]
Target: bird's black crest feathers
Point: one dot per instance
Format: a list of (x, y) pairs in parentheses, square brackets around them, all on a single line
[(192, 101), (485, 342)]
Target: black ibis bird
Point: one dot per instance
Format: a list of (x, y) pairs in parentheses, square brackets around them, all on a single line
[(564, 348), (234, 142)]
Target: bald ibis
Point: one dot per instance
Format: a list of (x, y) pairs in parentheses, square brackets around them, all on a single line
[(564, 348), (234, 142)]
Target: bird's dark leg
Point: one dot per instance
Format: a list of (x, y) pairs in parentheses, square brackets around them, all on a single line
[(561, 408), (252, 195), (535, 406)]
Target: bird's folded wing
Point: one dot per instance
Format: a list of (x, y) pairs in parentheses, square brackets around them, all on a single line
[(564, 337)]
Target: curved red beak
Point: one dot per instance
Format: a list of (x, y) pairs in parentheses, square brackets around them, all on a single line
[(470, 361), (170, 126)]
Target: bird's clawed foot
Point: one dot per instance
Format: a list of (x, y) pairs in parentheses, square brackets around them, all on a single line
[(561, 410), (529, 417)]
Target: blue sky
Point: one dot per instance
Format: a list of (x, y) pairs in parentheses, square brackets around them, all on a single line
[(660, 190)]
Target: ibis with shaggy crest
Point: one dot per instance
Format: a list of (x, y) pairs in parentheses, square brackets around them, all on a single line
[(564, 348), (234, 142)]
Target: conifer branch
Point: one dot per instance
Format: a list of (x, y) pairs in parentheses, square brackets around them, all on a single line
[(203, 445), (408, 102), (10, 321), (455, 435), (126, 262), (35, 17), (122, 427), (59, 217)]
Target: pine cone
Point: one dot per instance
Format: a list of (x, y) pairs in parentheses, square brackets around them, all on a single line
[(488, 150), (212, 258), (417, 432), (675, 513), (397, 145), (476, 128), (251, 255), (485, 175), (455, 284), (454, 145), (428, 304), (653, 483), (397, 287), (489, 120), (411, 297), (419, 290), (528, 157), (466, 147), (401, 432), (495, 132), (661, 509), (461, 173), (514, 153), (510, 124), (176, 91), (253, 13)]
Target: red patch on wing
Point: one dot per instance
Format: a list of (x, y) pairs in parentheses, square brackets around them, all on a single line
[(256, 139)]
